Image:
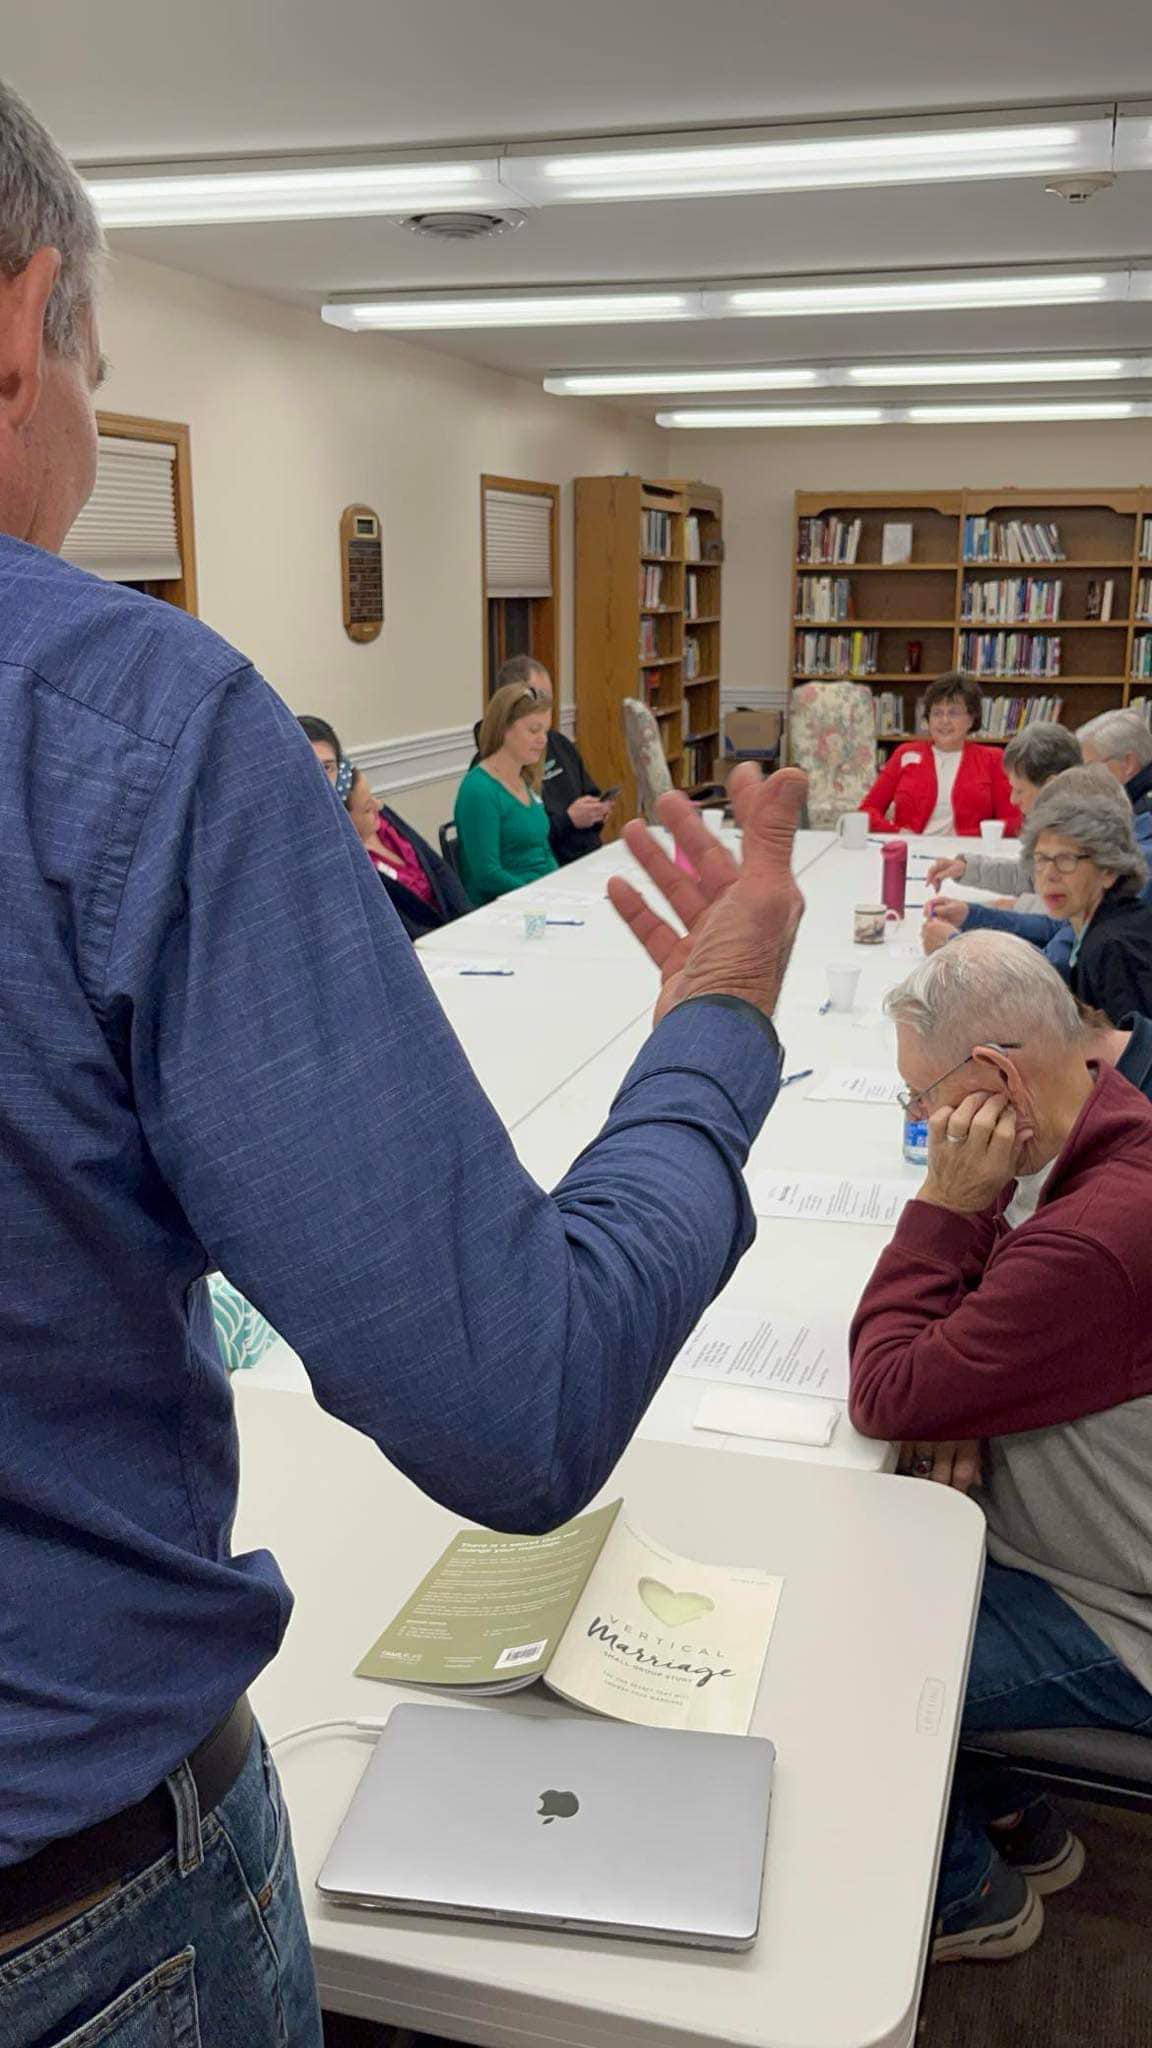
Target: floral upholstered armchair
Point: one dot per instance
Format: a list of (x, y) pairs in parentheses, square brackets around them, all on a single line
[(649, 762), (833, 738)]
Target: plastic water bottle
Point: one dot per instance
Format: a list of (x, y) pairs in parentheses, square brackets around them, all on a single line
[(915, 1141), (893, 887)]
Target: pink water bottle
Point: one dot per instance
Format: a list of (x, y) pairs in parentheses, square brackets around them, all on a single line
[(894, 884)]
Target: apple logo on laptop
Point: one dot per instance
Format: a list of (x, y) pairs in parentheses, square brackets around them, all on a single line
[(557, 1806)]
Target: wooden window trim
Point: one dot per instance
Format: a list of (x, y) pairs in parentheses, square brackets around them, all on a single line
[(549, 606), (119, 426)]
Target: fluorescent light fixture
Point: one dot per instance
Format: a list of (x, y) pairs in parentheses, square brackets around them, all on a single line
[(856, 153), (304, 192), (535, 309), (1014, 370), (775, 416), (1072, 409), (921, 294), (594, 384), (1133, 139)]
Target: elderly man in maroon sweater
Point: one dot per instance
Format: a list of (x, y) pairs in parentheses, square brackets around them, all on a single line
[(1006, 1336)]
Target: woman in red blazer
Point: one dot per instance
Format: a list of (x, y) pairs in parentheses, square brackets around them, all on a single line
[(944, 783)]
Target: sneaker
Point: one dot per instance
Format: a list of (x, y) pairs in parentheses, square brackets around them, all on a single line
[(1042, 1848), (1004, 1919)]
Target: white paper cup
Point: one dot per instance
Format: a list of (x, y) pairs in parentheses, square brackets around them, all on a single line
[(853, 829), (992, 831), (842, 986)]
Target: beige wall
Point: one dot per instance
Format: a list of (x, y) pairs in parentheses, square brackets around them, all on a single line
[(291, 421), (758, 472)]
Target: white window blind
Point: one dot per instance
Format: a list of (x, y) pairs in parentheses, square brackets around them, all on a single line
[(127, 530), (517, 544)]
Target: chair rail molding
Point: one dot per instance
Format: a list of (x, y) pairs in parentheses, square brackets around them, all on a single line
[(424, 757)]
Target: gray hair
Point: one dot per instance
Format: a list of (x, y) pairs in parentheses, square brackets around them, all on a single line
[(43, 205), (986, 988), (1116, 733), (1041, 751), (1088, 806)]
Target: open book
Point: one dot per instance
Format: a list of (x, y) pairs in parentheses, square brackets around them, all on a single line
[(608, 1619)]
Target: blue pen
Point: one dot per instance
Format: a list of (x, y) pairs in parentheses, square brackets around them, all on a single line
[(805, 1074), (564, 920), (490, 973)]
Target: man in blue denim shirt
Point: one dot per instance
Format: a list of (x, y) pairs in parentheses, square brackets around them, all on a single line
[(217, 1048)]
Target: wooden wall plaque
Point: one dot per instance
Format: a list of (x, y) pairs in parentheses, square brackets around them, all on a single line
[(362, 572)]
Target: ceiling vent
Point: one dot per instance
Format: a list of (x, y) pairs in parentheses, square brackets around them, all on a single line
[(445, 226)]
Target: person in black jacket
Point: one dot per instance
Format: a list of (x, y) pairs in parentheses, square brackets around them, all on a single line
[(423, 890), (576, 809), (1089, 869)]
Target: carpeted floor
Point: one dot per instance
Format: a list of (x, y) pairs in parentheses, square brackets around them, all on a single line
[(1088, 1981)]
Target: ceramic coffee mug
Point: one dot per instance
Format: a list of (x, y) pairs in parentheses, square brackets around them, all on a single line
[(868, 920), (853, 829)]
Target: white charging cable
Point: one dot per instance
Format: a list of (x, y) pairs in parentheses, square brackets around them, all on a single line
[(367, 1725)]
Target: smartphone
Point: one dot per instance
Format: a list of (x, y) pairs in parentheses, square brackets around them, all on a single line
[(609, 796)]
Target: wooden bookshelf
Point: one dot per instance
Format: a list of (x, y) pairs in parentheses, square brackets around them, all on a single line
[(926, 598), (681, 678)]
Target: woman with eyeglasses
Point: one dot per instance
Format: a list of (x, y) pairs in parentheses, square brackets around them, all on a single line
[(944, 783), (500, 815), (1089, 870)]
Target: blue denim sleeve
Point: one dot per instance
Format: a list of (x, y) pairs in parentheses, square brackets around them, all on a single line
[(319, 1126), (1039, 931)]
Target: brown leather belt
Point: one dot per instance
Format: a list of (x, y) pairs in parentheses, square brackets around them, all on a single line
[(102, 1855)]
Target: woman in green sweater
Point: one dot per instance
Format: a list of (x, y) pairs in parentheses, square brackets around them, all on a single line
[(500, 816)]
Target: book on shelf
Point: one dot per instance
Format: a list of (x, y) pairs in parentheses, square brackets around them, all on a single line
[(1146, 539), (821, 598), (651, 583), (651, 680), (896, 541), (658, 533), (835, 654), (1099, 599), (691, 659), (607, 1618), (828, 540), (699, 758), (1142, 656), (648, 647), (1006, 600), (1010, 654), (1144, 599), (691, 538), (1011, 540), (1003, 716), (691, 595), (1142, 706)]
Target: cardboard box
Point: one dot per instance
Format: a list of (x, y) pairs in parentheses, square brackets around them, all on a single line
[(753, 733)]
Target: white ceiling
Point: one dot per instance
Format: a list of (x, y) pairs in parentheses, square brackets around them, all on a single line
[(224, 77)]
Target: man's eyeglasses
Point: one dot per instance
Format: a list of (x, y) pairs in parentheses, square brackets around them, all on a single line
[(1064, 863), (908, 1098)]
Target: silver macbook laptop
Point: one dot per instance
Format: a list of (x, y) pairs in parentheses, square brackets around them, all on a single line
[(553, 1821)]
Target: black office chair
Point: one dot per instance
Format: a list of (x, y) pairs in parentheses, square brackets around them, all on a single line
[(450, 847)]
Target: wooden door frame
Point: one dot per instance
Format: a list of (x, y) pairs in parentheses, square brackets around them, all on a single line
[(120, 426), (522, 487)]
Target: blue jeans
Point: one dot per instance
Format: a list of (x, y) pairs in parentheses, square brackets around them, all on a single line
[(205, 1949), (1035, 1664)]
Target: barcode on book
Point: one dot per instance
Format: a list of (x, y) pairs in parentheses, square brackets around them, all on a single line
[(520, 1653)]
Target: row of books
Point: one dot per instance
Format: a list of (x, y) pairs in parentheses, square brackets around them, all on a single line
[(651, 583), (659, 534), (692, 604), (835, 654), (698, 759), (829, 540), (1003, 716), (649, 647), (1142, 655), (651, 682), (1144, 598), (1143, 706), (1010, 654), (1146, 539), (824, 597), (1012, 598), (692, 538), (1011, 540)]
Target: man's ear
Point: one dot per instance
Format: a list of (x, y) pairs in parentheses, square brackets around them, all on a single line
[(23, 304)]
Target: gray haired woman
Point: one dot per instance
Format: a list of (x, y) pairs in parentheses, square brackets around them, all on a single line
[(1090, 871)]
